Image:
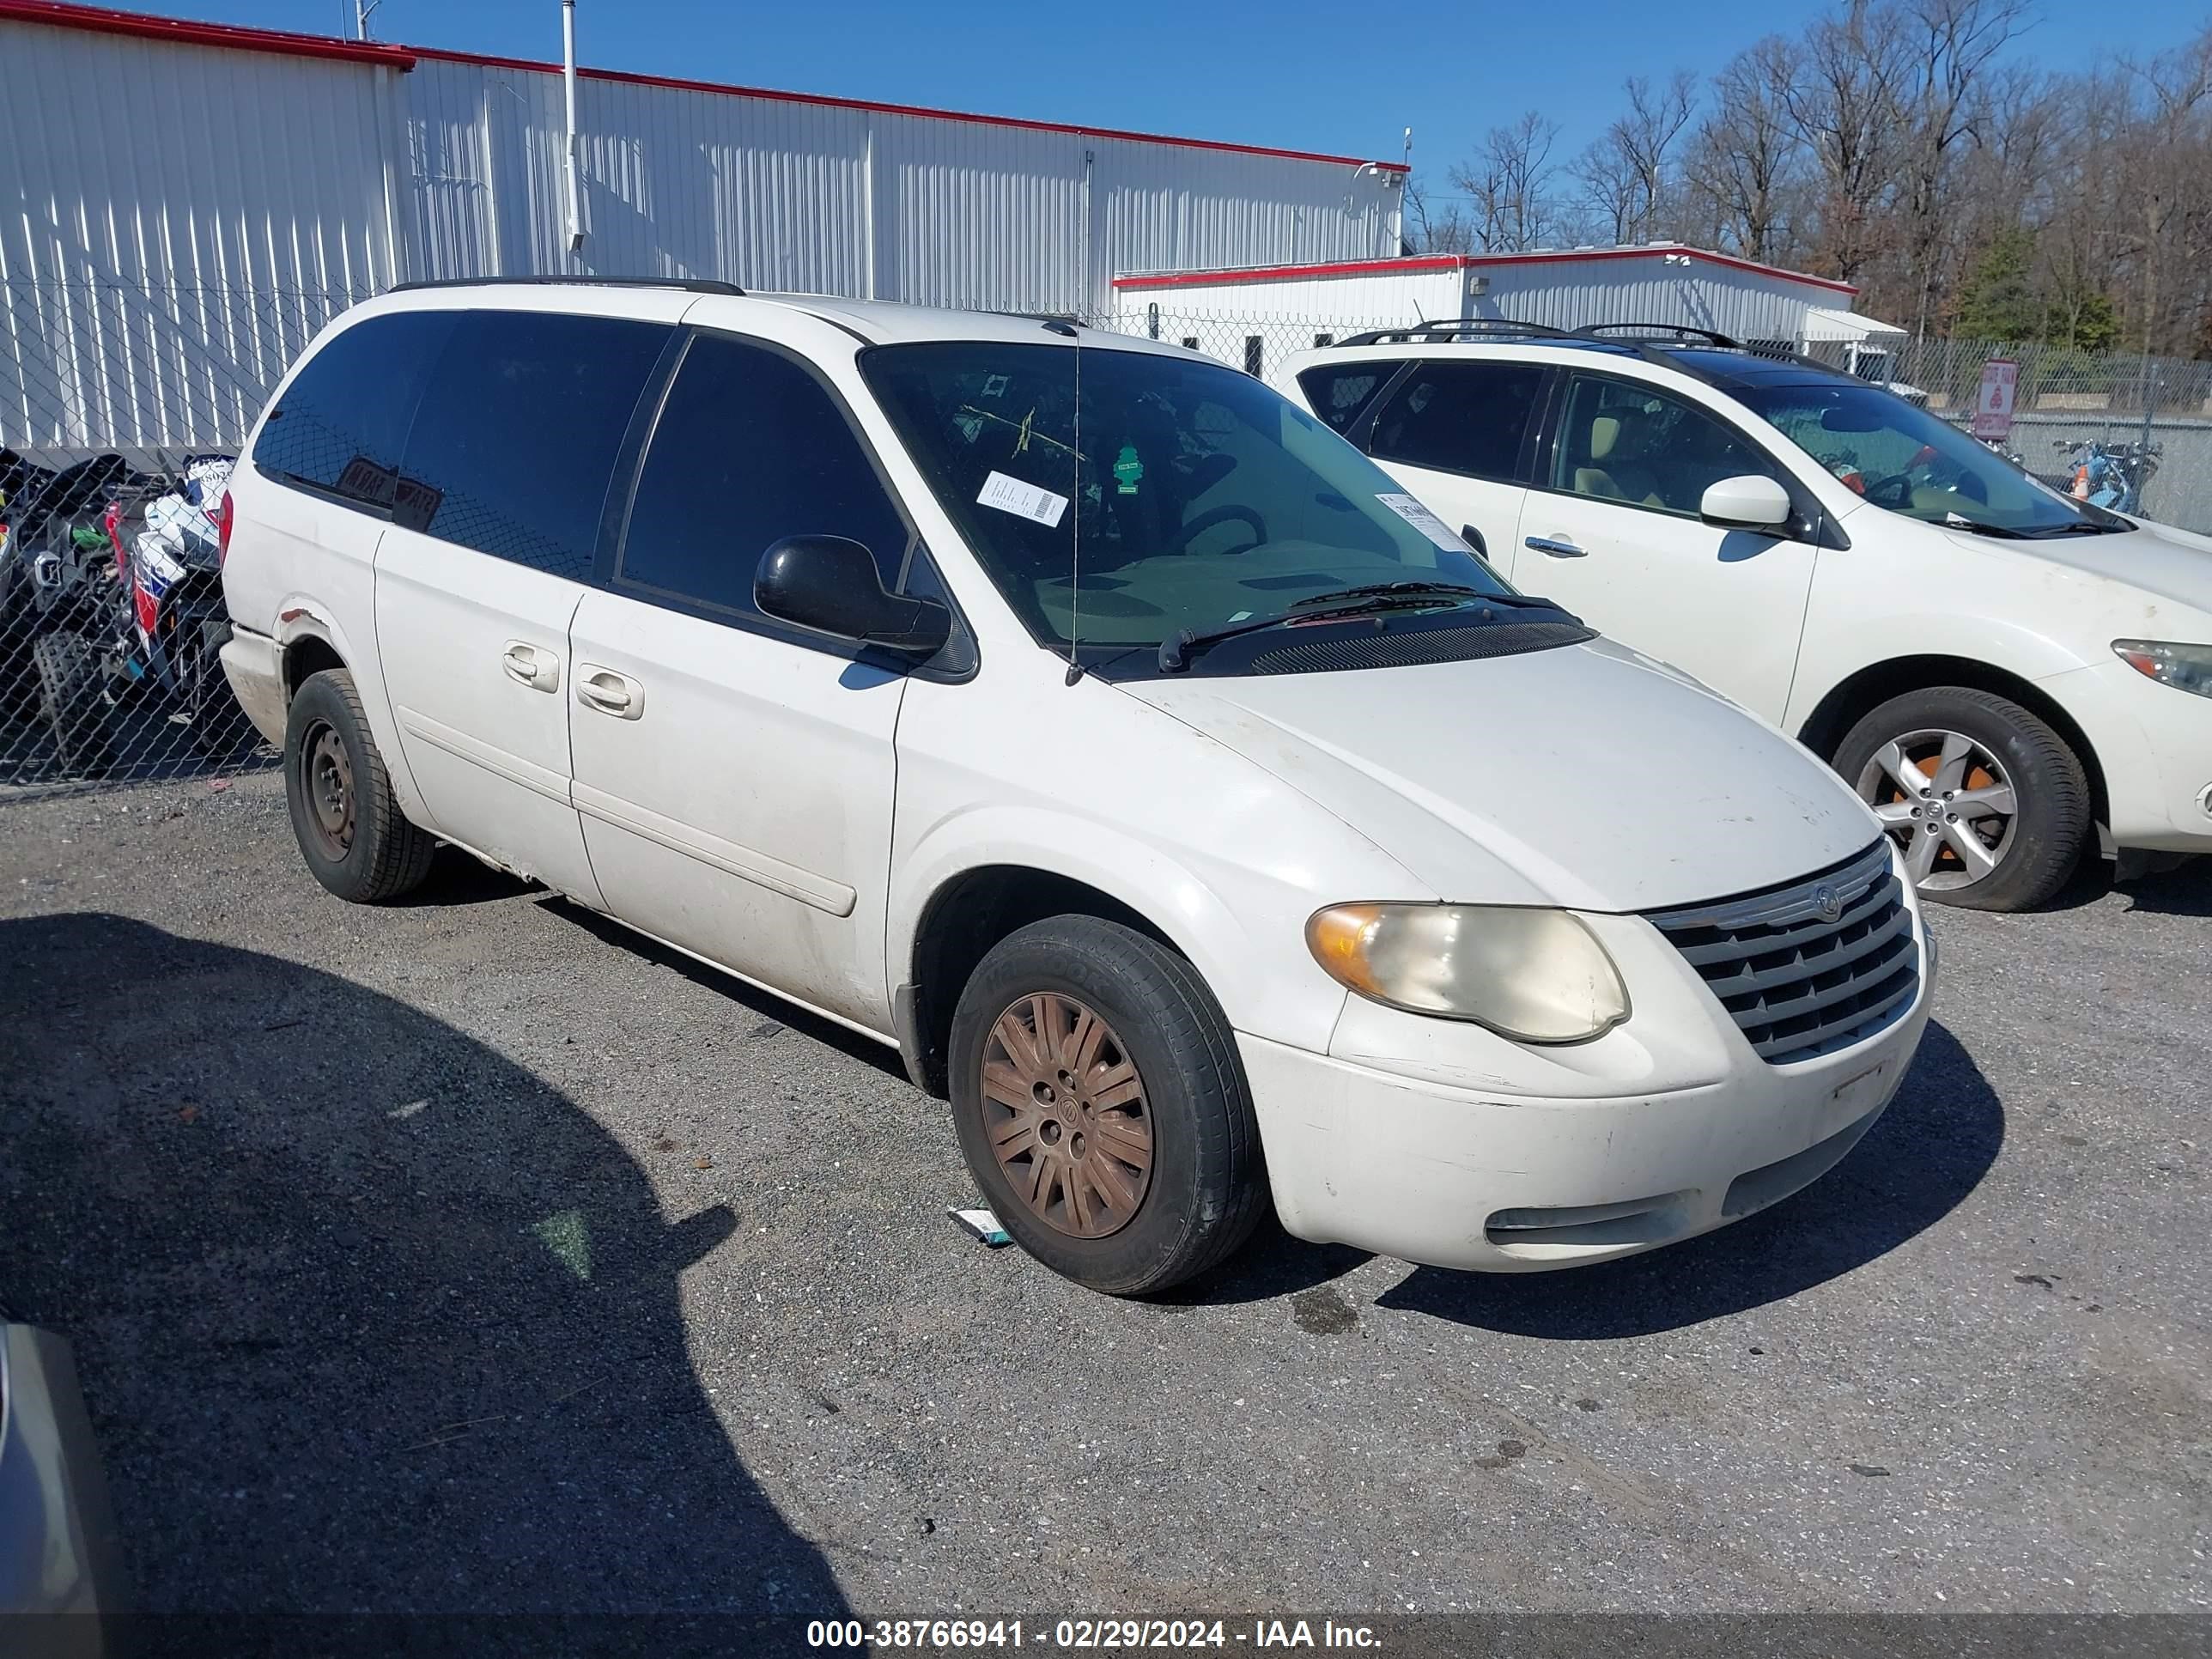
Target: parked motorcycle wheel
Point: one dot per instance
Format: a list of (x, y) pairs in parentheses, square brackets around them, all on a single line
[(68, 667)]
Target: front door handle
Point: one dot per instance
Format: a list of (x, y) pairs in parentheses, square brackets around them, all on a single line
[(1556, 547), (609, 692), (526, 664)]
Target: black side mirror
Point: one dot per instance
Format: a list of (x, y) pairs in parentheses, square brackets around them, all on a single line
[(830, 584)]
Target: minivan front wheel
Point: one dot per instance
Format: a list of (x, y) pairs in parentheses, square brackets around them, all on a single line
[(1102, 1108), (1989, 806), (351, 832)]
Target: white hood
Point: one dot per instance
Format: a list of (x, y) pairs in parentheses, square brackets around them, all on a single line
[(1589, 776), (2166, 563)]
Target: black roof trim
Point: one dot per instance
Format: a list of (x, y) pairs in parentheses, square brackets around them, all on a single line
[(688, 284)]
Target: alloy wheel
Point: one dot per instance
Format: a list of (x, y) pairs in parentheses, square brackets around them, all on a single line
[(1067, 1116), (1947, 802)]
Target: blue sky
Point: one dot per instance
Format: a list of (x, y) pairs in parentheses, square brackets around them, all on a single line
[(1296, 73)]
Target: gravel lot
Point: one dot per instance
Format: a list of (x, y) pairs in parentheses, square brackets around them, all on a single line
[(470, 1255)]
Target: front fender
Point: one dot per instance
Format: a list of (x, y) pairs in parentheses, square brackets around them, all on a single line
[(1089, 784), (1249, 951)]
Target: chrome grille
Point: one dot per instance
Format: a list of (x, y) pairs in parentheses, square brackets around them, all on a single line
[(1810, 967)]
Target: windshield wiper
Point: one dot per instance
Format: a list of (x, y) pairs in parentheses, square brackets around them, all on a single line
[(2003, 532), (1176, 651), (1374, 590), (1382, 589)]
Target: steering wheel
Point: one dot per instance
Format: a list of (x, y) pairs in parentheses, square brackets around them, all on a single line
[(1184, 535), (1898, 486)]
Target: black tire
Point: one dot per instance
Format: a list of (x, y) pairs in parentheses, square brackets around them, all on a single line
[(367, 852), (2051, 825), (68, 669), (1206, 1187)]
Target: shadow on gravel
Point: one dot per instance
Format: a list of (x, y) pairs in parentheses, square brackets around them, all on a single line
[(1930, 1148), (2186, 891), (368, 1317), (773, 1010)]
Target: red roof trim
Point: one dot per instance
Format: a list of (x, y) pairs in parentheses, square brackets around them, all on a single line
[(405, 57), (1464, 261), (1706, 256), (919, 111), (185, 32), (1296, 273)]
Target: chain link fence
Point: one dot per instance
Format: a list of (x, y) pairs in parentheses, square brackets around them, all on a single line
[(121, 406), (2065, 399)]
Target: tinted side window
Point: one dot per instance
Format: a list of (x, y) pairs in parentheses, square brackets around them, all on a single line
[(514, 443), (748, 449), (1459, 417), (1631, 444), (342, 421), (1341, 393)]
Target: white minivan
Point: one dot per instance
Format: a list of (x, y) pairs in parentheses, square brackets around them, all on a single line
[(1079, 716)]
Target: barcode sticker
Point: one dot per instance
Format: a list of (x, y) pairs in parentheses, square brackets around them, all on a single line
[(1023, 501), (1425, 521)]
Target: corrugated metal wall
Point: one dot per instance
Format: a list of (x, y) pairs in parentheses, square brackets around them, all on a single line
[(191, 214), (166, 258), (1696, 294)]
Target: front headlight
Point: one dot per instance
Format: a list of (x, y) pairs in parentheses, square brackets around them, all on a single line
[(1533, 975), (2186, 667)]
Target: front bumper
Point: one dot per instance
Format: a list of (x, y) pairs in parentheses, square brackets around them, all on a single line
[(1400, 1159), (2154, 745)]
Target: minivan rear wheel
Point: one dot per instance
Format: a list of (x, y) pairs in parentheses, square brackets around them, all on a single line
[(1989, 806), (351, 832), (1102, 1108)]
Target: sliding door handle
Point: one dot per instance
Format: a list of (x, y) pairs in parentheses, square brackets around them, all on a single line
[(609, 692)]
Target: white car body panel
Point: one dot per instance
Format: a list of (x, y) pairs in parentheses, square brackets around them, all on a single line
[(1747, 623)]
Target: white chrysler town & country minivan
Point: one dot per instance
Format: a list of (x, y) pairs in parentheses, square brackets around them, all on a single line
[(1085, 720)]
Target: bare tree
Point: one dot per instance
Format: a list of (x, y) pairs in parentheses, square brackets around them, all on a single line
[(1507, 184), (1844, 103), (1943, 46), (1746, 161), (1434, 225), (1903, 146)]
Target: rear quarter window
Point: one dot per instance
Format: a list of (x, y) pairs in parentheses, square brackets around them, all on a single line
[(340, 423), (1340, 392)]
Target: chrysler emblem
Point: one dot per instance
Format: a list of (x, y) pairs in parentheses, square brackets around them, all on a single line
[(1829, 902)]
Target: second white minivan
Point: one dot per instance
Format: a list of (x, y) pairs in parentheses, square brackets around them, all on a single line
[(1078, 716)]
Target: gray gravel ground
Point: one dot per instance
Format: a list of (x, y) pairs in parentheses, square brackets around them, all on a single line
[(470, 1255)]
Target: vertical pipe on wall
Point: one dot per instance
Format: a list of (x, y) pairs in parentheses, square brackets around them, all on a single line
[(569, 94)]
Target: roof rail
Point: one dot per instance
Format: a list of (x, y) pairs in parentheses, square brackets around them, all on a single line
[(1649, 333), (1643, 338), (688, 284), (1450, 329)]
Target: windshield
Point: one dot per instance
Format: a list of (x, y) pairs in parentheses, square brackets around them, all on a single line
[(1911, 461), (1203, 500)]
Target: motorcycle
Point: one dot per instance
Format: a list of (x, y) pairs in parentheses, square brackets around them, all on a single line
[(122, 609), (2111, 476)]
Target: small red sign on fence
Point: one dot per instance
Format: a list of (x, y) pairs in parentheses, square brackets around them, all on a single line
[(1993, 403)]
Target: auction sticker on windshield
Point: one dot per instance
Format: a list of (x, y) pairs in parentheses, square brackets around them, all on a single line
[(1423, 520), (1023, 501)]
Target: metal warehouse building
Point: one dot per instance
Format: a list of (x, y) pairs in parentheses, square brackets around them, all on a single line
[(198, 199), (1565, 287)]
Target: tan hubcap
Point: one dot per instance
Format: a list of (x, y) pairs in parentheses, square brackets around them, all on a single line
[(1065, 1113)]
